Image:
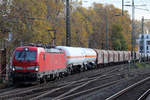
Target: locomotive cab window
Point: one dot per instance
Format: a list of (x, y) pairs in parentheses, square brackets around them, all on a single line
[(25, 55)]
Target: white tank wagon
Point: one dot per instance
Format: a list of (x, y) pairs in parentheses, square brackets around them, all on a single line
[(80, 58)]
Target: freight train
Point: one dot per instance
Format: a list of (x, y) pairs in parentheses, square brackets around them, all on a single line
[(36, 63)]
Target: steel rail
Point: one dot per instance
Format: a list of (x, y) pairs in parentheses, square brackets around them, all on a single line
[(40, 94), (17, 90), (86, 91), (127, 89), (144, 95), (77, 88), (6, 89), (76, 83), (84, 81)]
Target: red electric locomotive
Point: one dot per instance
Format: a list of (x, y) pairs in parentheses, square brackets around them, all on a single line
[(33, 63)]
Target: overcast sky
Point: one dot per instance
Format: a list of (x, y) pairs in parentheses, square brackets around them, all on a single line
[(118, 4)]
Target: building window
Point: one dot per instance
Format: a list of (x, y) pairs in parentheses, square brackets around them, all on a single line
[(147, 37), (142, 36), (148, 42), (147, 47), (141, 43)]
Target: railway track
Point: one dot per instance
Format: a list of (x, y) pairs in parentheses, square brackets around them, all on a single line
[(43, 90), (13, 90), (6, 89), (19, 92), (132, 92), (80, 86), (69, 95), (76, 87)]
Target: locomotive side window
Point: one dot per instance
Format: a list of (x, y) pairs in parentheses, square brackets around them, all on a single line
[(25, 55)]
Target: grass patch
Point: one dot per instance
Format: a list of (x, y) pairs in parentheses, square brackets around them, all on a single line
[(142, 64)]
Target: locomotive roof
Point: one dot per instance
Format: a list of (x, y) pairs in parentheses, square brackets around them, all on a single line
[(51, 50), (22, 47)]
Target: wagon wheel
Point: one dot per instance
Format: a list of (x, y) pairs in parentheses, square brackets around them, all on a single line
[(82, 69), (61, 75), (69, 71), (43, 80)]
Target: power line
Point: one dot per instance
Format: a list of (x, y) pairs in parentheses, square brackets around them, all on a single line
[(146, 5)]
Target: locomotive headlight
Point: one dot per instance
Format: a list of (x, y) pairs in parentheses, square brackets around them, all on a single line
[(37, 68), (13, 69)]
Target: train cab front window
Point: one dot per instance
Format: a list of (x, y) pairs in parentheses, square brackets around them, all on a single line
[(25, 55)]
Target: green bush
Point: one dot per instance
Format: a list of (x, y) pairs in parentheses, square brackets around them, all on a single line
[(142, 65)]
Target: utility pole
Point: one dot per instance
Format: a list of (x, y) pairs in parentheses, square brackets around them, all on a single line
[(122, 7), (68, 33), (142, 38), (142, 25), (132, 34), (106, 38), (133, 30)]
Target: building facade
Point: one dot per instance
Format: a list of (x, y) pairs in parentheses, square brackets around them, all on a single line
[(144, 43)]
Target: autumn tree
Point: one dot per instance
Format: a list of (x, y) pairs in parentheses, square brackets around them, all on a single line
[(105, 17), (4, 29), (30, 24), (29, 21), (81, 27), (118, 40)]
